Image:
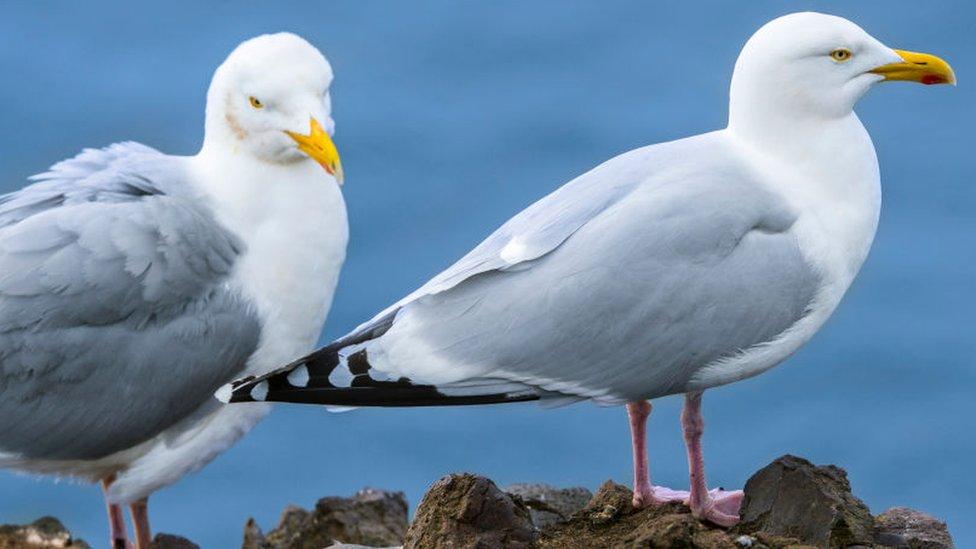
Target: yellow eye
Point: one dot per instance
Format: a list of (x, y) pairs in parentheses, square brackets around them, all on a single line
[(841, 54), (255, 102)]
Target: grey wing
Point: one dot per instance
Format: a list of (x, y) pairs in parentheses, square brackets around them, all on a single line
[(531, 234), (630, 307), (115, 319), (689, 264), (535, 231)]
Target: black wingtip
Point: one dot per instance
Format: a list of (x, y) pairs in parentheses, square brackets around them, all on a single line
[(307, 382), (310, 380)]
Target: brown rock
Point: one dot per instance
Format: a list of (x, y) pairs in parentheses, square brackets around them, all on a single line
[(549, 505), (905, 528), (610, 520), (43, 532), (793, 498), (296, 530), (253, 536), (357, 546), (371, 517), (170, 541), (467, 511)]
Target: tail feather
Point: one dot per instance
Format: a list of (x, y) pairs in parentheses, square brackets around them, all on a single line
[(340, 375)]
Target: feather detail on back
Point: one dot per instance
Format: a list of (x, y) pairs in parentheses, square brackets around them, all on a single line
[(115, 321)]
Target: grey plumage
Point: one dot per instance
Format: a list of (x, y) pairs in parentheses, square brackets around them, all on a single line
[(621, 286), (114, 320)]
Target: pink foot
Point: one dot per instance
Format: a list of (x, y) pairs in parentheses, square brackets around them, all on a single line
[(657, 495), (720, 507), (716, 506)]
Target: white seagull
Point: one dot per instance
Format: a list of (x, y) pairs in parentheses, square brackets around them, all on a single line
[(133, 283), (669, 269)]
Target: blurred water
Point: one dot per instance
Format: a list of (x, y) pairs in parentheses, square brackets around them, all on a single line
[(452, 116)]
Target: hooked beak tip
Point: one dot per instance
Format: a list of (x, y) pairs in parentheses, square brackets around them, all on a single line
[(319, 147), (923, 68)]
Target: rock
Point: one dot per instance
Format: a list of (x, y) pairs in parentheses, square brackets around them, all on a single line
[(43, 532), (371, 517), (789, 504), (296, 530), (253, 536), (374, 518), (355, 546), (747, 541), (549, 505), (170, 541), (610, 520), (793, 498), (461, 511), (905, 528)]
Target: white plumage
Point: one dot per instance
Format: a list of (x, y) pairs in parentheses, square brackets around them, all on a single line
[(136, 283), (669, 269)]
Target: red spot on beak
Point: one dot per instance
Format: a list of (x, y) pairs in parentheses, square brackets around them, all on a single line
[(930, 79)]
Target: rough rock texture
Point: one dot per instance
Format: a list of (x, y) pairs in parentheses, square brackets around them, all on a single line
[(466, 511), (357, 546), (789, 504), (792, 497), (549, 505), (905, 528), (609, 520), (169, 541), (43, 532), (254, 538), (373, 518)]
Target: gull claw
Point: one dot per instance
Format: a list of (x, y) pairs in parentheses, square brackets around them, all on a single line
[(720, 508)]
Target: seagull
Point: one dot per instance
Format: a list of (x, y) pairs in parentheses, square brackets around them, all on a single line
[(670, 269), (128, 272)]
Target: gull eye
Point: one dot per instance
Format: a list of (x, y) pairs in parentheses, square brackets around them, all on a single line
[(255, 102), (841, 54)]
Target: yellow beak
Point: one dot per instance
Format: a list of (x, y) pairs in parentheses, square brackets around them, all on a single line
[(320, 148), (918, 67)]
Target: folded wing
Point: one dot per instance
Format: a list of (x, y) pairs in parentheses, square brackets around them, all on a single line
[(662, 268), (115, 322)]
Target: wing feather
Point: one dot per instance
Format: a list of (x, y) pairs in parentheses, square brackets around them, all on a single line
[(115, 322), (621, 285)]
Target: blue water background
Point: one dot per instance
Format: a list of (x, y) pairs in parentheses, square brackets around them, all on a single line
[(454, 115)]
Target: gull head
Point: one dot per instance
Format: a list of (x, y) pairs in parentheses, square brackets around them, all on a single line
[(816, 66), (270, 99)]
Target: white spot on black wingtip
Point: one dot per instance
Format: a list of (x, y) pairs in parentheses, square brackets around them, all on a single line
[(224, 393), (299, 377), (340, 376), (260, 391)]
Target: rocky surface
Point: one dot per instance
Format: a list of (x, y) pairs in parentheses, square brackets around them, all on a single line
[(906, 528), (469, 511), (609, 520), (789, 504), (374, 518), (43, 532), (793, 498), (549, 505), (169, 541)]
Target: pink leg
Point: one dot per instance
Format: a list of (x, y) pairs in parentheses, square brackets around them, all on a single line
[(717, 506), (140, 523), (116, 521), (644, 492)]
